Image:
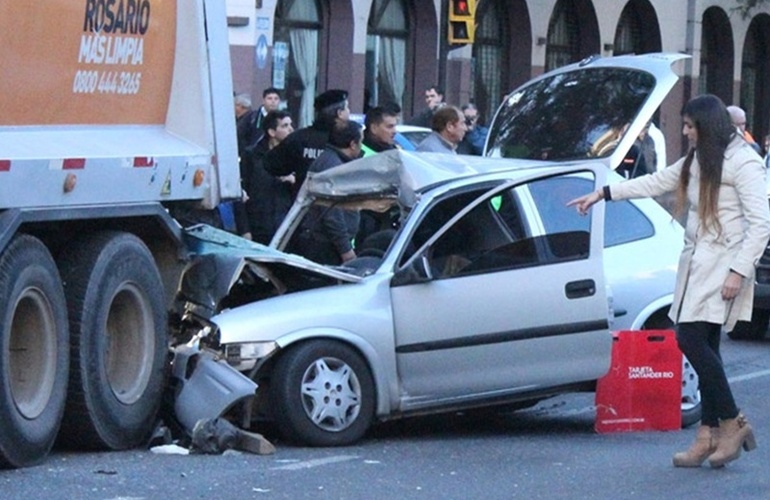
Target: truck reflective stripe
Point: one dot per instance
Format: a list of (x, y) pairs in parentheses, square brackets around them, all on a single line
[(5, 165), (143, 161), (73, 163)]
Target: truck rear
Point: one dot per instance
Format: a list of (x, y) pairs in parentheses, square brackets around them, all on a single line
[(116, 115)]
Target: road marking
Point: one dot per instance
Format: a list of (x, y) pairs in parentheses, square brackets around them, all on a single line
[(317, 462), (749, 376)]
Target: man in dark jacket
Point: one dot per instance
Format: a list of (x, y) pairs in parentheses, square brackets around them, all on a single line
[(300, 149), (327, 233), (269, 196), (434, 99)]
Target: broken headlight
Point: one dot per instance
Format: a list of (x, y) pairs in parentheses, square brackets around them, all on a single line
[(245, 356)]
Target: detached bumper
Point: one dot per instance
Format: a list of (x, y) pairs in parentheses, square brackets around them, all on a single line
[(207, 388)]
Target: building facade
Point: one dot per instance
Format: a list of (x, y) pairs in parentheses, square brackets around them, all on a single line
[(392, 50)]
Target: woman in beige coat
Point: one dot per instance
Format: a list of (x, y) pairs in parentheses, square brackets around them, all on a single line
[(728, 225)]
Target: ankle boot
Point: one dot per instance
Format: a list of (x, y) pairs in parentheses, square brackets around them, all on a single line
[(705, 444), (734, 434)]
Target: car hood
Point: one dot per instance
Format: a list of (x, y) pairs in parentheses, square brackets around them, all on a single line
[(226, 266), (592, 109)]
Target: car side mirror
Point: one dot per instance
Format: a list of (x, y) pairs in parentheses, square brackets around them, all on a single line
[(417, 271)]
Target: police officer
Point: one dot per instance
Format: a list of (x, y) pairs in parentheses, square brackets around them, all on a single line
[(301, 148)]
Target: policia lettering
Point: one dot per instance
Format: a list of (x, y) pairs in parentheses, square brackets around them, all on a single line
[(117, 16)]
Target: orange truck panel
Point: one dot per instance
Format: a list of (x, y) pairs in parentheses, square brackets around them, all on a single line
[(86, 62)]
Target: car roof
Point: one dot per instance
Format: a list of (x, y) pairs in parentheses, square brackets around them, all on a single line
[(404, 174)]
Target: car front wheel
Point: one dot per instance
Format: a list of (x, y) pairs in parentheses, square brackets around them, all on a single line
[(322, 394)]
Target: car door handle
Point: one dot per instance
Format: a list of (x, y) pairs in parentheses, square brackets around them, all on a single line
[(580, 288)]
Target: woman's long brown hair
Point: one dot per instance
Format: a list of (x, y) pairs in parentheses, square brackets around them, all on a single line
[(715, 131)]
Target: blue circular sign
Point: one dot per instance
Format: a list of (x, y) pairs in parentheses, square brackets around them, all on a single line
[(261, 51)]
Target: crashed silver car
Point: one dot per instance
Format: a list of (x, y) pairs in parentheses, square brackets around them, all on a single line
[(479, 299), (490, 292)]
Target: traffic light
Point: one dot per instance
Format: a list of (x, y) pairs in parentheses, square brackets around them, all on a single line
[(462, 25)]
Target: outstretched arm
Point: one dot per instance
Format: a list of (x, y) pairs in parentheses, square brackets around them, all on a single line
[(586, 201)]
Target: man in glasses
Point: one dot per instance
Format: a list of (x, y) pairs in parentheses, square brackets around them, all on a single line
[(476, 136)]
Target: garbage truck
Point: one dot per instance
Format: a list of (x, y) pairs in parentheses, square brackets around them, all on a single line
[(116, 121)]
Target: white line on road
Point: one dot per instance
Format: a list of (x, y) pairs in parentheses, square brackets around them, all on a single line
[(308, 464), (749, 376)]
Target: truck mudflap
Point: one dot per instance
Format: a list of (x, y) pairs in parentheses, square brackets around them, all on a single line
[(207, 388)]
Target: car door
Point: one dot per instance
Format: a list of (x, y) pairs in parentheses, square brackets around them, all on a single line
[(485, 307)]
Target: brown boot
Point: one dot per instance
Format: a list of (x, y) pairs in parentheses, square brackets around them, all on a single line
[(705, 444), (734, 434)]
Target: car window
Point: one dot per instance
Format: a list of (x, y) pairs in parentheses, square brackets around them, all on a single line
[(570, 115), (438, 215), (493, 236), (623, 221), (414, 138)]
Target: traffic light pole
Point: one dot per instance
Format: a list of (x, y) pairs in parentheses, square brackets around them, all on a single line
[(443, 47)]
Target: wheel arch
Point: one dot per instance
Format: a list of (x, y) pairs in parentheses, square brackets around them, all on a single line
[(655, 309), (380, 371)]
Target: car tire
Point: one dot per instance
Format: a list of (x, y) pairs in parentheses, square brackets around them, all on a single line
[(35, 352), (119, 335), (692, 407), (756, 329), (322, 394)]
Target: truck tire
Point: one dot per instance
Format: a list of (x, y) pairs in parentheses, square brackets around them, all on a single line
[(119, 334), (35, 352)]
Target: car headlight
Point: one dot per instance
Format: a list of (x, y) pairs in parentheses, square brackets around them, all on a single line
[(244, 356)]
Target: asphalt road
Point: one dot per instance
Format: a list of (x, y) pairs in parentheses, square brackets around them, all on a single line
[(550, 451)]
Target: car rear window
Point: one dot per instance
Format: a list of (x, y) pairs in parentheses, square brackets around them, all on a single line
[(570, 115)]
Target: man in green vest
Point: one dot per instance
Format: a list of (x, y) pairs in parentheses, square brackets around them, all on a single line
[(380, 130), (379, 135)]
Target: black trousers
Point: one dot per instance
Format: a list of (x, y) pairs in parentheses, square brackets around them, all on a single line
[(699, 341)]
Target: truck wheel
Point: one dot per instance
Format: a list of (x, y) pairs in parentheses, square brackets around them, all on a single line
[(119, 340), (756, 329), (322, 394), (35, 352)]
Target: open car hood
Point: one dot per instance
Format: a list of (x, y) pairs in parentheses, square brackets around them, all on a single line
[(592, 109), (228, 267)]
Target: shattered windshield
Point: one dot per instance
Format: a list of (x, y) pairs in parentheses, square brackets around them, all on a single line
[(570, 115)]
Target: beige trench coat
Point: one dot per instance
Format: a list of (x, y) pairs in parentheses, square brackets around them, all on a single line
[(708, 256)]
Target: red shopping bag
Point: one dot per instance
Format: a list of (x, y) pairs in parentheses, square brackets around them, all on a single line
[(643, 389)]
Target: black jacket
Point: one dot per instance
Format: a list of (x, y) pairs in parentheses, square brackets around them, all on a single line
[(269, 198), (297, 152), (327, 232)]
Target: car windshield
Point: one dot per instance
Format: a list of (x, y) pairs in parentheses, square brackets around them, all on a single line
[(570, 115)]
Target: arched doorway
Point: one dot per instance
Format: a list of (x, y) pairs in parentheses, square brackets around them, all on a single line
[(573, 33), (755, 76), (638, 31), (298, 24), (501, 52), (386, 52), (716, 56)]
